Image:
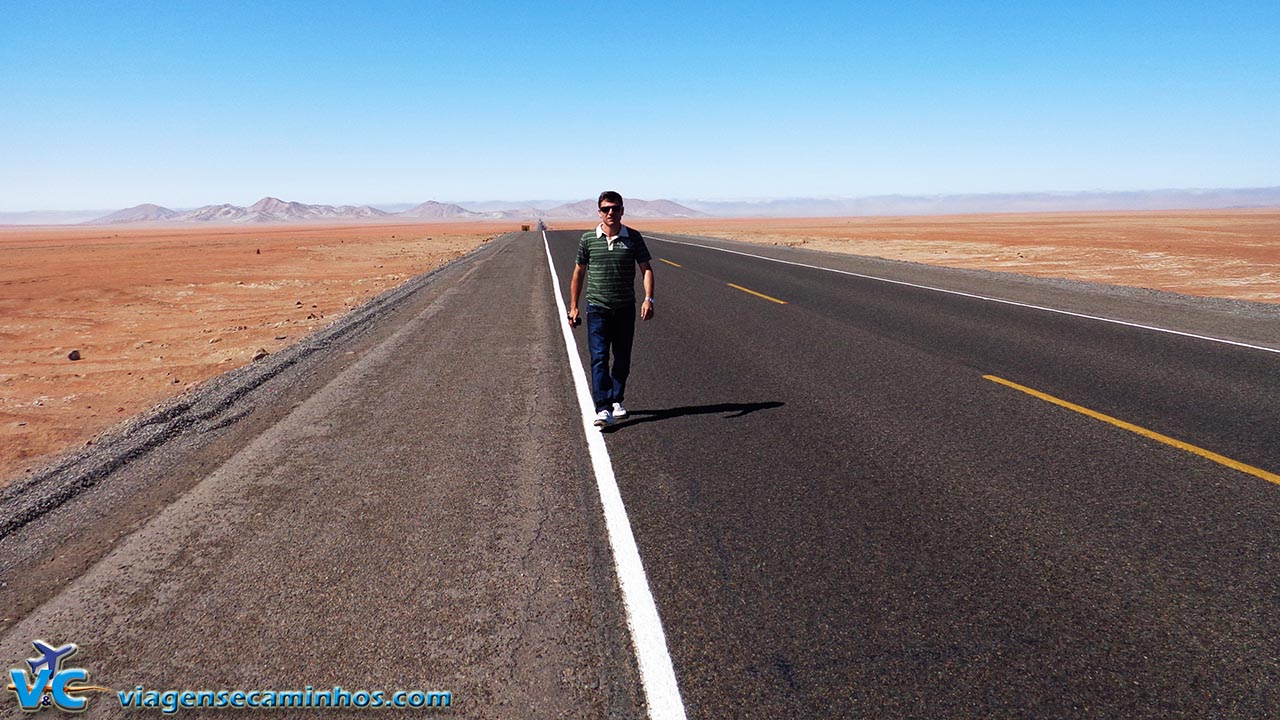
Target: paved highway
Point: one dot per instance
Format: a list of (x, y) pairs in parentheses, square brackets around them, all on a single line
[(852, 498), (403, 506), (843, 514)]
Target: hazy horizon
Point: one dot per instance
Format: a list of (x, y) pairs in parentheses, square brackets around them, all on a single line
[(1171, 199), (486, 204)]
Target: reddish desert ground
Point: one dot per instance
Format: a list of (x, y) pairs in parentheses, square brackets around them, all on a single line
[(154, 311)]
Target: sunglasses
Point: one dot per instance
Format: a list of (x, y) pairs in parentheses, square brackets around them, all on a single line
[(606, 209)]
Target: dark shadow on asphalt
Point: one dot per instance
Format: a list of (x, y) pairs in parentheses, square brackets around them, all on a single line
[(731, 410)]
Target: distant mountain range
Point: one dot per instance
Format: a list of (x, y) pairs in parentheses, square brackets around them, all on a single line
[(993, 203), (274, 210)]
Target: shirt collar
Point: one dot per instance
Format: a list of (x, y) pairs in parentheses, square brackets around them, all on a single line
[(600, 232)]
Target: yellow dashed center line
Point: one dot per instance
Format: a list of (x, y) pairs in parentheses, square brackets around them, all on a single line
[(670, 263), (1221, 460), (760, 295)]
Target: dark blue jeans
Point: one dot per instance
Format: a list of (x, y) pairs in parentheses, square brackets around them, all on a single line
[(610, 331)]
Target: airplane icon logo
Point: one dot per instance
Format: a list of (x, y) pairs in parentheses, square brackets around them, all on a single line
[(50, 657)]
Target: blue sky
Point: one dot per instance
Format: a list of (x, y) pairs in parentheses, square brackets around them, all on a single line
[(110, 104)]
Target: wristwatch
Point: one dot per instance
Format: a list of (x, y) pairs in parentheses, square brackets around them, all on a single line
[(649, 300)]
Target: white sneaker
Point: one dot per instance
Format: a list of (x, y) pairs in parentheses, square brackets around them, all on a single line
[(603, 418), (619, 412)]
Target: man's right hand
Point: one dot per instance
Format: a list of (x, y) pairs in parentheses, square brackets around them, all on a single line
[(574, 320)]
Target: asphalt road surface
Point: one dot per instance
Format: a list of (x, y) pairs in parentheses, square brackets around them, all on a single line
[(841, 516), (853, 498)]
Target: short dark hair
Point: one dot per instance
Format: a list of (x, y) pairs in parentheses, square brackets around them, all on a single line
[(610, 195)]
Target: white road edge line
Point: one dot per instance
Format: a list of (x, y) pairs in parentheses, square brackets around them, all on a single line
[(978, 297), (657, 674)]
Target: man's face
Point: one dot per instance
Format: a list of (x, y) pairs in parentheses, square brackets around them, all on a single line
[(611, 215)]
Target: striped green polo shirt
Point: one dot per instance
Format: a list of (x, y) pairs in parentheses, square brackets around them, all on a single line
[(611, 272)]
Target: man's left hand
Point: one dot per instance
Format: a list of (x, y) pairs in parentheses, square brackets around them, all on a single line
[(646, 310)]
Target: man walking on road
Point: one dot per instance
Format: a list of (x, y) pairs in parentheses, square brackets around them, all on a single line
[(607, 258)]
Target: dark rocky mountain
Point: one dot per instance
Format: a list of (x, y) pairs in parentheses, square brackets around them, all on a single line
[(439, 211), (145, 212)]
